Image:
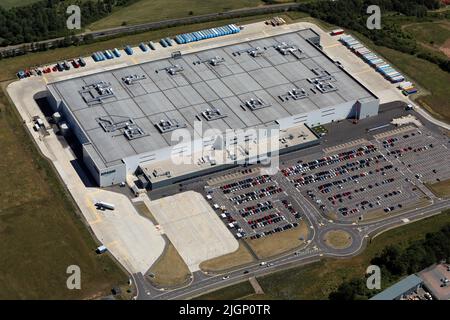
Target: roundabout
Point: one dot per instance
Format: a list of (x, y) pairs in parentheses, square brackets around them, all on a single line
[(337, 239)]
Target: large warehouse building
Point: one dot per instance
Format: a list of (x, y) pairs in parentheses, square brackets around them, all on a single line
[(125, 118)]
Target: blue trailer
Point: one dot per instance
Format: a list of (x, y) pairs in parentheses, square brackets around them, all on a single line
[(143, 47), (163, 43), (101, 56), (128, 50), (116, 52), (108, 55)]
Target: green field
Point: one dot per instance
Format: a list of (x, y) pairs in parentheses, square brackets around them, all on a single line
[(317, 280), (41, 235), (428, 76), (233, 292), (433, 33), (156, 10), (15, 3)]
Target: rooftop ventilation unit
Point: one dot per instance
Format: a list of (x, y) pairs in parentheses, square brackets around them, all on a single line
[(165, 126), (172, 70), (295, 94), (129, 128), (176, 55), (133, 132), (254, 52), (129, 80), (212, 61), (160, 173), (325, 87), (322, 75), (286, 49), (256, 104), (213, 114), (97, 92)]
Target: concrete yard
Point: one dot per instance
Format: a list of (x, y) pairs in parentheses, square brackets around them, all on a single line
[(193, 228), (432, 278)]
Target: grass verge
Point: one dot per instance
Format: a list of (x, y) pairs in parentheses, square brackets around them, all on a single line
[(279, 242), (441, 188), (169, 270), (228, 261), (233, 292), (158, 10)]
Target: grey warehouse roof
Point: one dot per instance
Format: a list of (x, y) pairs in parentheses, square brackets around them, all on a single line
[(399, 288), (154, 94)]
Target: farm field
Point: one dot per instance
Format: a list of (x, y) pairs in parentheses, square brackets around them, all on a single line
[(156, 10), (434, 36), (15, 3)]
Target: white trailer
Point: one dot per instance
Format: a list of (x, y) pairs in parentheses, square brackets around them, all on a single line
[(105, 205)]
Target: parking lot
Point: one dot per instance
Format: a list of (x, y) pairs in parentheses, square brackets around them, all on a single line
[(358, 180), (254, 205), (352, 181), (422, 153)]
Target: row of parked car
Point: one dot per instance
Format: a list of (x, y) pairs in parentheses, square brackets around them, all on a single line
[(255, 195), (290, 208), (334, 172), (258, 208), (339, 198), (59, 67), (366, 204), (274, 230), (328, 160), (265, 220), (354, 178), (245, 183)]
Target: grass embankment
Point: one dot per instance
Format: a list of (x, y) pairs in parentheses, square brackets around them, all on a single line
[(16, 3), (232, 260), (157, 10), (317, 280), (233, 292), (41, 234), (279, 242), (170, 270), (441, 188), (426, 74)]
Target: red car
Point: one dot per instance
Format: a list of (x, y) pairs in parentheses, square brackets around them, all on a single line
[(75, 64)]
